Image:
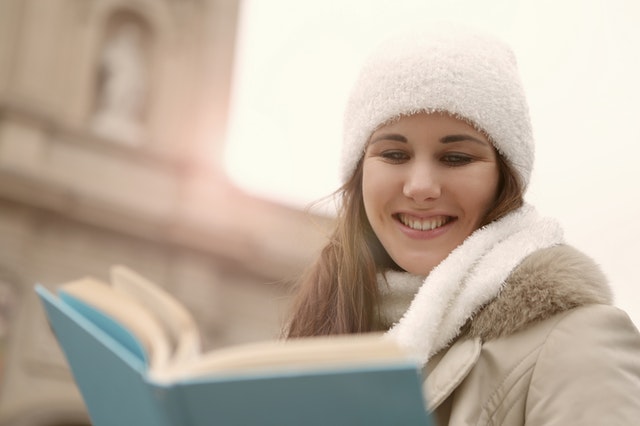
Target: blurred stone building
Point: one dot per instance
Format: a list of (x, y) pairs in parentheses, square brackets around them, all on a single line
[(112, 116)]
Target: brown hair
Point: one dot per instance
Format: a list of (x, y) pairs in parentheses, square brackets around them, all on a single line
[(339, 293)]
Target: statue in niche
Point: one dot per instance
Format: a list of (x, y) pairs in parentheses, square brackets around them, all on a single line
[(122, 88)]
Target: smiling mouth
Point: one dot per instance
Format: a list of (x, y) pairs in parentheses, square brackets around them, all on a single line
[(423, 224)]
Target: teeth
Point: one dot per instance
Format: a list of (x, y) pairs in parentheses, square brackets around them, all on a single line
[(423, 224)]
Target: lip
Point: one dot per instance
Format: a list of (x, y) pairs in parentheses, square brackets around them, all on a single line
[(435, 218)]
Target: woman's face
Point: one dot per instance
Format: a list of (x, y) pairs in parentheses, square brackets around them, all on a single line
[(428, 181)]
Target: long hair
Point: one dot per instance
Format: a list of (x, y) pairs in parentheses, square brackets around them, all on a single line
[(339, 292)]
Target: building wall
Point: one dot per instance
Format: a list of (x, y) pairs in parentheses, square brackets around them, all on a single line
[(143, 190)]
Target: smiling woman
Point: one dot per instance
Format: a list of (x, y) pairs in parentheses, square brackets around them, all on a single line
[(579, 62), (434, 243), (429, 180)]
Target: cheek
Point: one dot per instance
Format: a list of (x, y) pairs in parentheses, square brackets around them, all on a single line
[(481, 194), (379, 192), (370, 192)]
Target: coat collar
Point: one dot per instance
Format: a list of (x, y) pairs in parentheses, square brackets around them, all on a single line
[(446, 370), (547, 282)]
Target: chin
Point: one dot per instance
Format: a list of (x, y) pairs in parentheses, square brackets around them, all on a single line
[(421, 262), (417, 268)]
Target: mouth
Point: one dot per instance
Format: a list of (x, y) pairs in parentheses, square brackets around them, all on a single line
[(423, 224)]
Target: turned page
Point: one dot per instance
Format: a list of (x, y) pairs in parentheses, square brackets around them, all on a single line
[(120, 316), (178, 322)]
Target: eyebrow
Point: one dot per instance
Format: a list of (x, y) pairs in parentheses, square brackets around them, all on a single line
[(461, 138), (446, 139), (388, 137)]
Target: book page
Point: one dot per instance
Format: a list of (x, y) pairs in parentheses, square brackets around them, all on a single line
[(291, 355), (176, 319), (97, 300)]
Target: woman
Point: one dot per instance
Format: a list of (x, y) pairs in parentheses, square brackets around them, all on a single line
[(435, 244)]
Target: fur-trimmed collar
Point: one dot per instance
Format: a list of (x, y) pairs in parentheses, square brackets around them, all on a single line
[(470, 277), (548, 281)]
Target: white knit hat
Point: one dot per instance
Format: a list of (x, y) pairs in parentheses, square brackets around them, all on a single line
[(470, 75)]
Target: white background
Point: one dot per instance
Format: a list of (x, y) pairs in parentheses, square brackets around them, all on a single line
[(580, 64)]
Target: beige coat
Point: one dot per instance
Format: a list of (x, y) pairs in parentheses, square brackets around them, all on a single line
[(549, 350)]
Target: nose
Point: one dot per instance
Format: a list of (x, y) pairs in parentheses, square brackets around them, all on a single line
[(422, 183)]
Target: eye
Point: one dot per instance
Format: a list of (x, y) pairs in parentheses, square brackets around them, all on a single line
[(455, 159), (394, 156)]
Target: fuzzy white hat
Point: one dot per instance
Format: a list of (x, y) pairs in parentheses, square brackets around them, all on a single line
[(468, 74)]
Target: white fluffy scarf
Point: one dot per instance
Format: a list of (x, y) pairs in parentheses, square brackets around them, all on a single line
[(467, 279)]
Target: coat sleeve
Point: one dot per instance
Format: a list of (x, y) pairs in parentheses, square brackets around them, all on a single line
[(588, 371)]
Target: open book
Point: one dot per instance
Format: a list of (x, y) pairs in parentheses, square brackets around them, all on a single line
[(135, 353)]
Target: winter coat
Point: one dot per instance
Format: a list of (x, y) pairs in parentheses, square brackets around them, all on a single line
[(549, 350)]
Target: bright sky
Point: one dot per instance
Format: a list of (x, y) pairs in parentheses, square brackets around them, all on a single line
[(579, 60)]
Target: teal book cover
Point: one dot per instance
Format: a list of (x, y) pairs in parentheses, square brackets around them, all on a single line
[(111, 370)]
